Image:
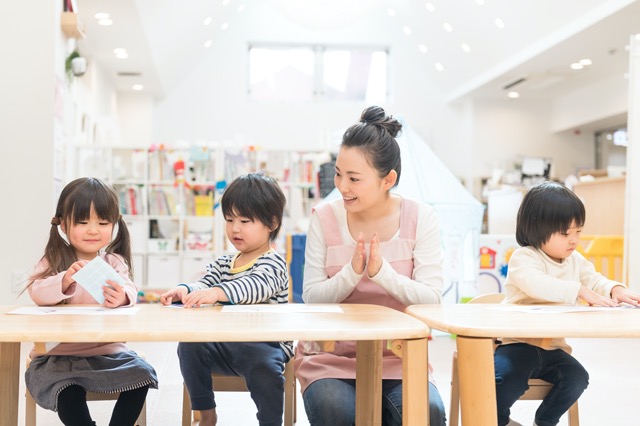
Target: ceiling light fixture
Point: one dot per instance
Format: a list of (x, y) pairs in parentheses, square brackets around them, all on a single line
[(499, 23), (101, 15), (391, 12), (406, 30), (585, 62), (208, 43), (576, 66), (423, 48), (105, 22), (513, 95), (137, 87), (480, 2), (439, 66), (465, 48), (241, 8), (207, 21), (429, 6), (224, 26), (447, 27)]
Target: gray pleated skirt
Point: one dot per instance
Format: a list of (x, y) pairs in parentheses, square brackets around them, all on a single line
[(47, 376)]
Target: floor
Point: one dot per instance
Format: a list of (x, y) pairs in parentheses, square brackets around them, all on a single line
[(613, 389)]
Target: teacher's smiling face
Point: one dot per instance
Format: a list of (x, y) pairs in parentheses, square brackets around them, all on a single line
[(358, 181)]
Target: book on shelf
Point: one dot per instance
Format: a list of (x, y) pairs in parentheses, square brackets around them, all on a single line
[(129, 197)]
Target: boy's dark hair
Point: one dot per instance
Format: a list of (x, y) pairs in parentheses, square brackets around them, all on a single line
[(547, 208), (375, 136), (256, 197), (74, 205)]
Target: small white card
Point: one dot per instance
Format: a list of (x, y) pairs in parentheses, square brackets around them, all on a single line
[(94, 275)]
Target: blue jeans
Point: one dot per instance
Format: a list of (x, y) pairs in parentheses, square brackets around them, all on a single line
[(332, 402), (516, 363), (261, 365)]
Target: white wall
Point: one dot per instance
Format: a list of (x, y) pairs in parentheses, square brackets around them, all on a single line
[(212, 103), (605, 99), (504, 131)]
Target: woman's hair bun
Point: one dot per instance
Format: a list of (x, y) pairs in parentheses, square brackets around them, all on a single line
[(375, 115)]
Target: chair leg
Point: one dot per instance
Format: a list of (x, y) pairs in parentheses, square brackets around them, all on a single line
[(142, 418), (574, 415), (454, 406), (289, 396), (30, 410), (186, 407)]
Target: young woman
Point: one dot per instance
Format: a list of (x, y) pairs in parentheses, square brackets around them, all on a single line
[(369, 246)]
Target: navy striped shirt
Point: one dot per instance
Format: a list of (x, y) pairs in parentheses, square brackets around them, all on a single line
[(263, 280)]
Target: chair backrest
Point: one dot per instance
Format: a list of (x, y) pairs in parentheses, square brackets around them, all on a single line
[(605, 252), (488, 298)]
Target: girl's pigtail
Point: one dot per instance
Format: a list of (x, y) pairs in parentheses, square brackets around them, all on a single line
[(121, 243)]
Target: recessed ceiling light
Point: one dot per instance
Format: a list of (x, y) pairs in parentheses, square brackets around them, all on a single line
[(119, 50), (499, 23), (439, 66), (465, 47), (422, 48), (430, 7), (241, 8), (447, 27), (226, 2), (480, 2), (207, 21), (123, 55), (224, 26), (208, 43), (101, 15), (576, 66), (391, 12), (105, 22), (406, 30), (137, 87), (585, 62), (513, 95)]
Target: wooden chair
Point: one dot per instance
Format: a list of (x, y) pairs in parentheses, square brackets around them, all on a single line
[(538, 389), (30, 407), (237, 384)]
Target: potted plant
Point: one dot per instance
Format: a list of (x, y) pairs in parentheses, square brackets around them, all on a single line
[(75, 65)]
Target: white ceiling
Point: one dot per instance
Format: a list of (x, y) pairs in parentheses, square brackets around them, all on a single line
[(539, 41)]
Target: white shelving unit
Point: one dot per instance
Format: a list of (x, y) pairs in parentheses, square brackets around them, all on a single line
[(170, 197)]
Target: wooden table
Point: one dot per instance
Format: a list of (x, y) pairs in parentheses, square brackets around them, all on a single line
[(369, 325), (476, 324)]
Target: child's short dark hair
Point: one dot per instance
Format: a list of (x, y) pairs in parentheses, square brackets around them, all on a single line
[(256, 197), (547, 208)]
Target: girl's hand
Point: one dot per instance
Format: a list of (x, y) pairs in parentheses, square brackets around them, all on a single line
[(66, 279), (114, 294), (375, 258), (176, 294), (622, 294), (594, 299), (201, 297), (358, 261)]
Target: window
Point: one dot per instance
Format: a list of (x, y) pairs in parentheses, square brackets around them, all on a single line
[(306, 73)]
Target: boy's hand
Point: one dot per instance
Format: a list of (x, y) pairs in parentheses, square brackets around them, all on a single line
[(622, 294), (114, 294), (176, 294), (594, 299), (201, 297)]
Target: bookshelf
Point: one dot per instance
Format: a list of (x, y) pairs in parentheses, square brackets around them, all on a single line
[(169, 198)]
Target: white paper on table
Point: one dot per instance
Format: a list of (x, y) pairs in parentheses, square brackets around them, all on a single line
[(94, 275), (538, 309), (76, 310), (279, 309)]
